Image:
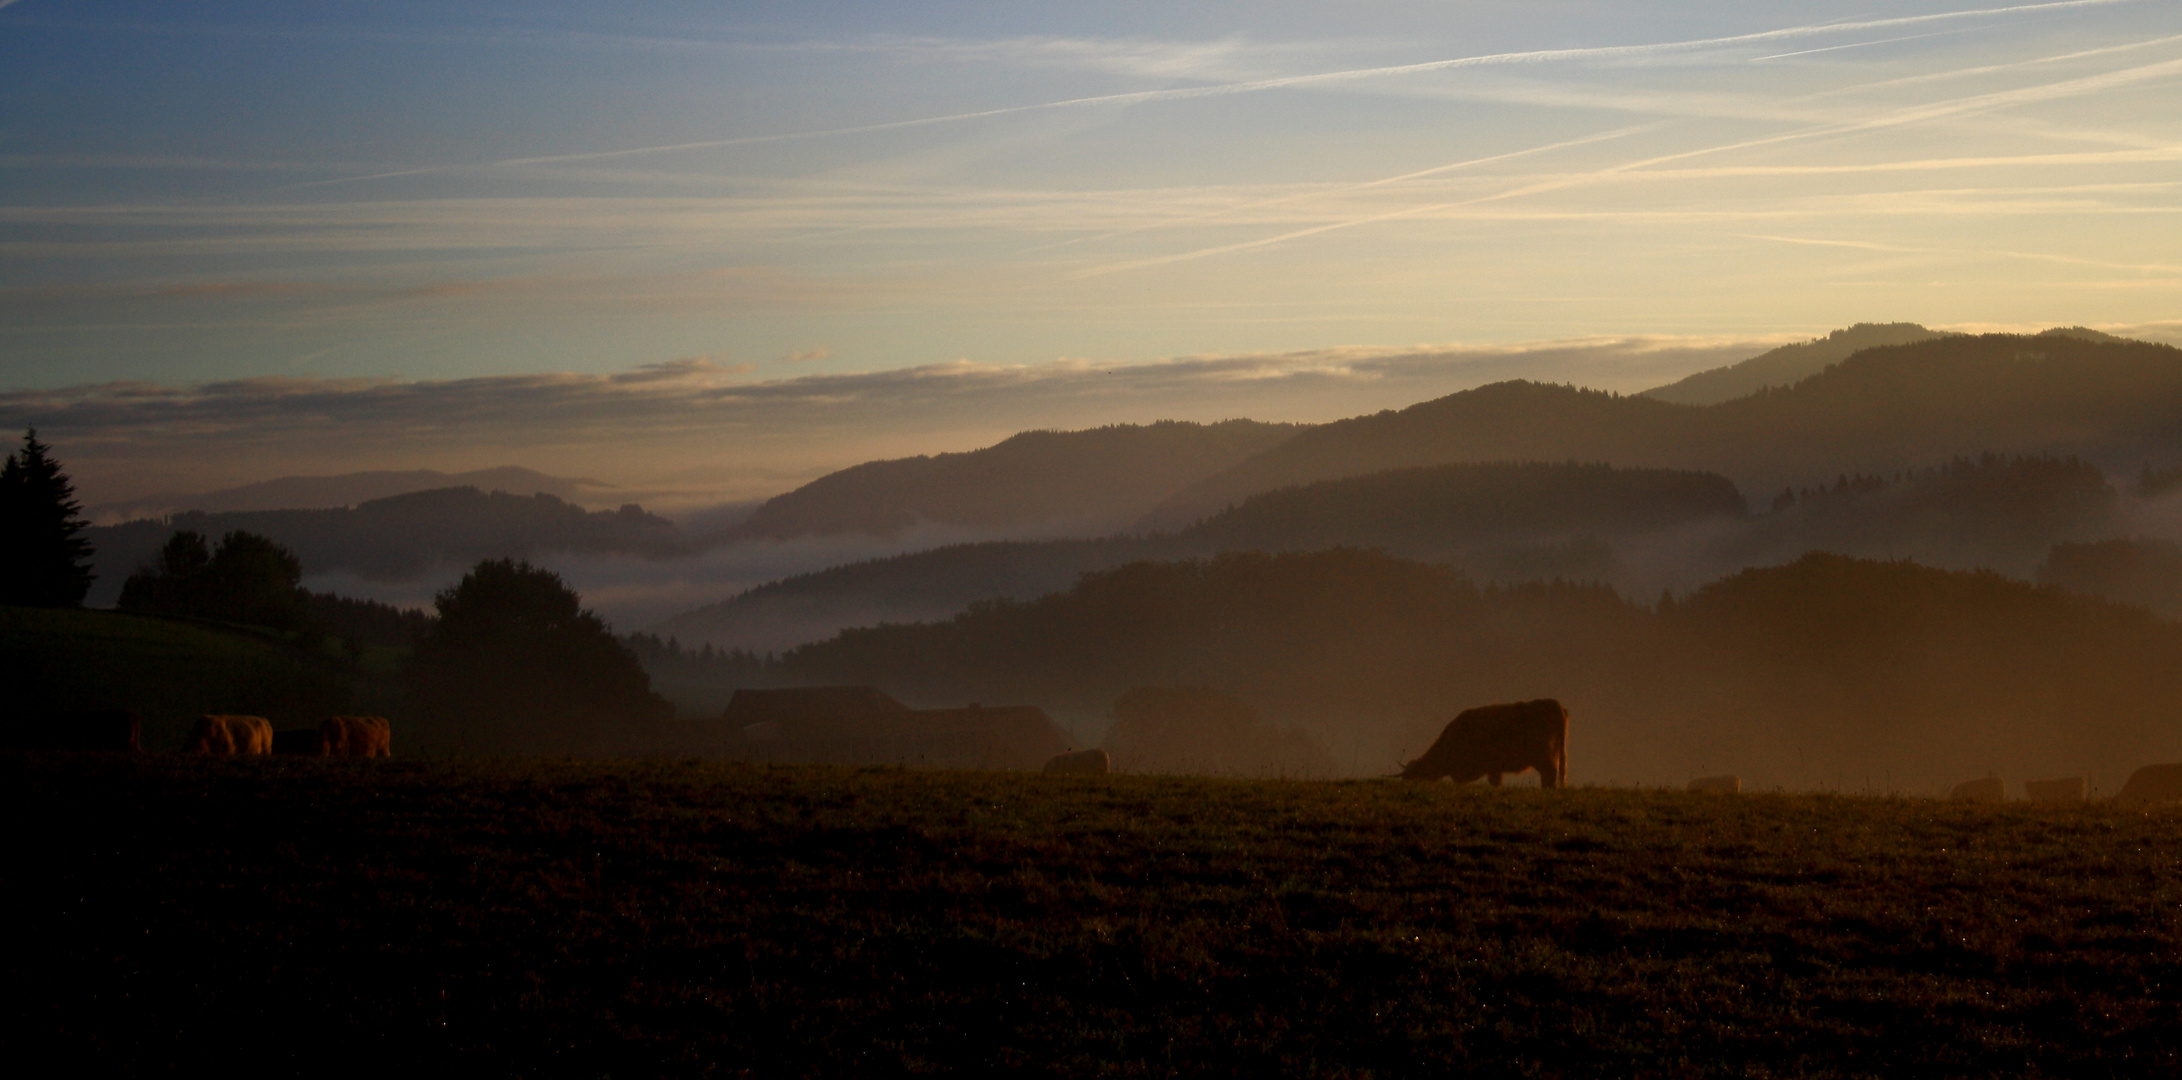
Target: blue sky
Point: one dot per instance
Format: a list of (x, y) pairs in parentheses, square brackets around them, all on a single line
[(325, 199)]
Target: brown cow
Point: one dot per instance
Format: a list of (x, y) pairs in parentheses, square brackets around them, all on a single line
[(2066, 789), (1990, 789), (1492, 740), (1092, 762), (230, 735), (357, 736), (2150, 784), (1729, 784)]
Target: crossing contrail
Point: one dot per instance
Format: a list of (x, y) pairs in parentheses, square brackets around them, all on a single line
[(1279, 83), (1896, 118)]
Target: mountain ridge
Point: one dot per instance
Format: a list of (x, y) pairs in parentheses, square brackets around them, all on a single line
[(1090, 480), (1788, 364), (1880, 410), (325, 492)]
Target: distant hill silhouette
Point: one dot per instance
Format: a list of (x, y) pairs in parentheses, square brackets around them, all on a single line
[(402, 537), (1085, 481), (1497, 522), (1441, 510), (1787, 365), (1880, 411), (1990, 511), (346, 489), (1501, 520), (918, 586), (1820, 672)]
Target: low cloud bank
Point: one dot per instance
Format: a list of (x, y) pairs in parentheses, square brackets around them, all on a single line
[(687, 433)]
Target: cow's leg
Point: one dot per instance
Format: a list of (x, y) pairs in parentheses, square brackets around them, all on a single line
[(1550, 774)]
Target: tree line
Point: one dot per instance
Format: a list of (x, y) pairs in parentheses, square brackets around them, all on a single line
[(509, 661)]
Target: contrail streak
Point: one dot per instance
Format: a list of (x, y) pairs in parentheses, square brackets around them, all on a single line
[(1900, 117), (2034, 256), (1623, 132), (1285, 82), (1617, 133), (1856, 45)]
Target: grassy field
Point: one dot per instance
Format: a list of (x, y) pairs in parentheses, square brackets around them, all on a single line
[(172, 671), (632, 918)]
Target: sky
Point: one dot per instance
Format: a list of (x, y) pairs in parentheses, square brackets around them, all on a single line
[(707, 251)]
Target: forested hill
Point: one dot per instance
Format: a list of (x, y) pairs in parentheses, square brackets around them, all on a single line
[(402, 536), (1436, 511), (1788, 675), (1473, 513), (1078, 481), (2115, 403), (1787, 365), (346, 489)]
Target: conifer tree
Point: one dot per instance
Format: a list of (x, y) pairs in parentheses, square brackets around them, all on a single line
[(44, 559)]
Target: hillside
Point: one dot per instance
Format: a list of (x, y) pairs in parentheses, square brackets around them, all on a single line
[(1989, 512), (1787, 365), (1086, 482), (1443, 510), (917, 587), (1825, 671), (1502, 521), (346, 489), (1637, 529), (1882, 410), (400, 537), (172, 672)]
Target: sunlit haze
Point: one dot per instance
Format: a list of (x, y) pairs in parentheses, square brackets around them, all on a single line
[(709, 251)]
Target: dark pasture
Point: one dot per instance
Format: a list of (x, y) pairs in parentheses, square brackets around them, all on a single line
[(564, 917), (169, 671)]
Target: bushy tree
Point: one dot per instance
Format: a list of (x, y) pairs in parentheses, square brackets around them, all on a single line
[(516, 665), (44, 559), (248, 579)]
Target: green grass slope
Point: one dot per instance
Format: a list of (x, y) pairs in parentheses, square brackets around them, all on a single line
[(170, 672), (655, 919)]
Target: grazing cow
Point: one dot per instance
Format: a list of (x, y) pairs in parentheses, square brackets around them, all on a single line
[(2066, 789), (113, 731), (230, 735), (1081, 763), (1729, 784), (303, 742), (2150, 784), (357, 736), (1492, 740), (1990, 789)]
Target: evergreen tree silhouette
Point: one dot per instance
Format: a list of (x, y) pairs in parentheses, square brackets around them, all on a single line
[(44, 559)]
